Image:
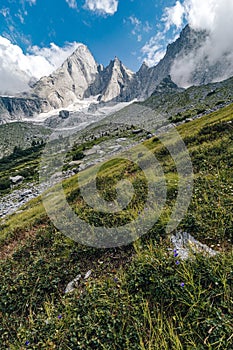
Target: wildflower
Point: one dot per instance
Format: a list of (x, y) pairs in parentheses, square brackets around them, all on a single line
[(115, 280), (176, 254), (27, 342), (177, 262), (182, 284), (59, 317)]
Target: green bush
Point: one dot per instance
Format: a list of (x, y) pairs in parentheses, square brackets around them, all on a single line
[(78, 155), (5, 183)]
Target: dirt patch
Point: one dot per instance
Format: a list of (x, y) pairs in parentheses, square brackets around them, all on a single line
[(19, 240)]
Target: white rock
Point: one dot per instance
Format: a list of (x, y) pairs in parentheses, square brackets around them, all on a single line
[(72, 285), (186, 245), (88, 274), (16, 179), (70, 81)]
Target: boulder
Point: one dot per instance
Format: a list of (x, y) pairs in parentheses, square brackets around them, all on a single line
[(64, 114), (16, 179)]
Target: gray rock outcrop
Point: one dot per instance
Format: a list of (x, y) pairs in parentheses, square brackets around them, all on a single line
[(24, 106), (112, 83), (70, 81)]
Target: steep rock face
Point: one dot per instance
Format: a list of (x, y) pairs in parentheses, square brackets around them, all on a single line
[(141, 80), (188, 41), (189, 62), (70, 81), (18, 107), (80, 76), (112, 82)]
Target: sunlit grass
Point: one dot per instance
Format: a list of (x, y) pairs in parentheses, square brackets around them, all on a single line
[(138, 297)]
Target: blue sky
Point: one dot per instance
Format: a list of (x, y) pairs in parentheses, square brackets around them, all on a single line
[(108, 27), (36, 36)]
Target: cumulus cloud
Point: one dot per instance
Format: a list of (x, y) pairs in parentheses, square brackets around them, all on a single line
[(213, 16), (216, 51), (203, 14), (72, 4), (174, 16), (154, 50), (104, 7), (17, 68)]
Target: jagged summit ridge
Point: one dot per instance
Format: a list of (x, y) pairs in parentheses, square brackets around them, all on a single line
[(70, 81), (112, 82), (117, 80), (80, 77)]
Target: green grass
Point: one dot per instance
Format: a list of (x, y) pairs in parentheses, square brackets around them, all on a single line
[(192, 101), (133, 299)]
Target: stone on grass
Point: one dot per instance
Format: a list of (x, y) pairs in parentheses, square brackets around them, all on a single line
[(185, 245), (16, 179), (72, 285), (88, 274)]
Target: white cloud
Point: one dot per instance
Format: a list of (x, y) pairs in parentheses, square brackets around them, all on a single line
[(135, 21), (203, 14), (17, 68), (20, 16), (5, 11), (54, 54), (12, 31), (104, 7), (214, 16), (146, 27), (31, 2), (198, 13), (136, 26), (72, 4), (174, 16), (153, 50)]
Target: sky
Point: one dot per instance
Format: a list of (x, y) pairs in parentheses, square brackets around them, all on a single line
[(36, 36)]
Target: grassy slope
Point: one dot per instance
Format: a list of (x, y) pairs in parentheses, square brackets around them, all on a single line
[(192, 101), (133, 299)]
